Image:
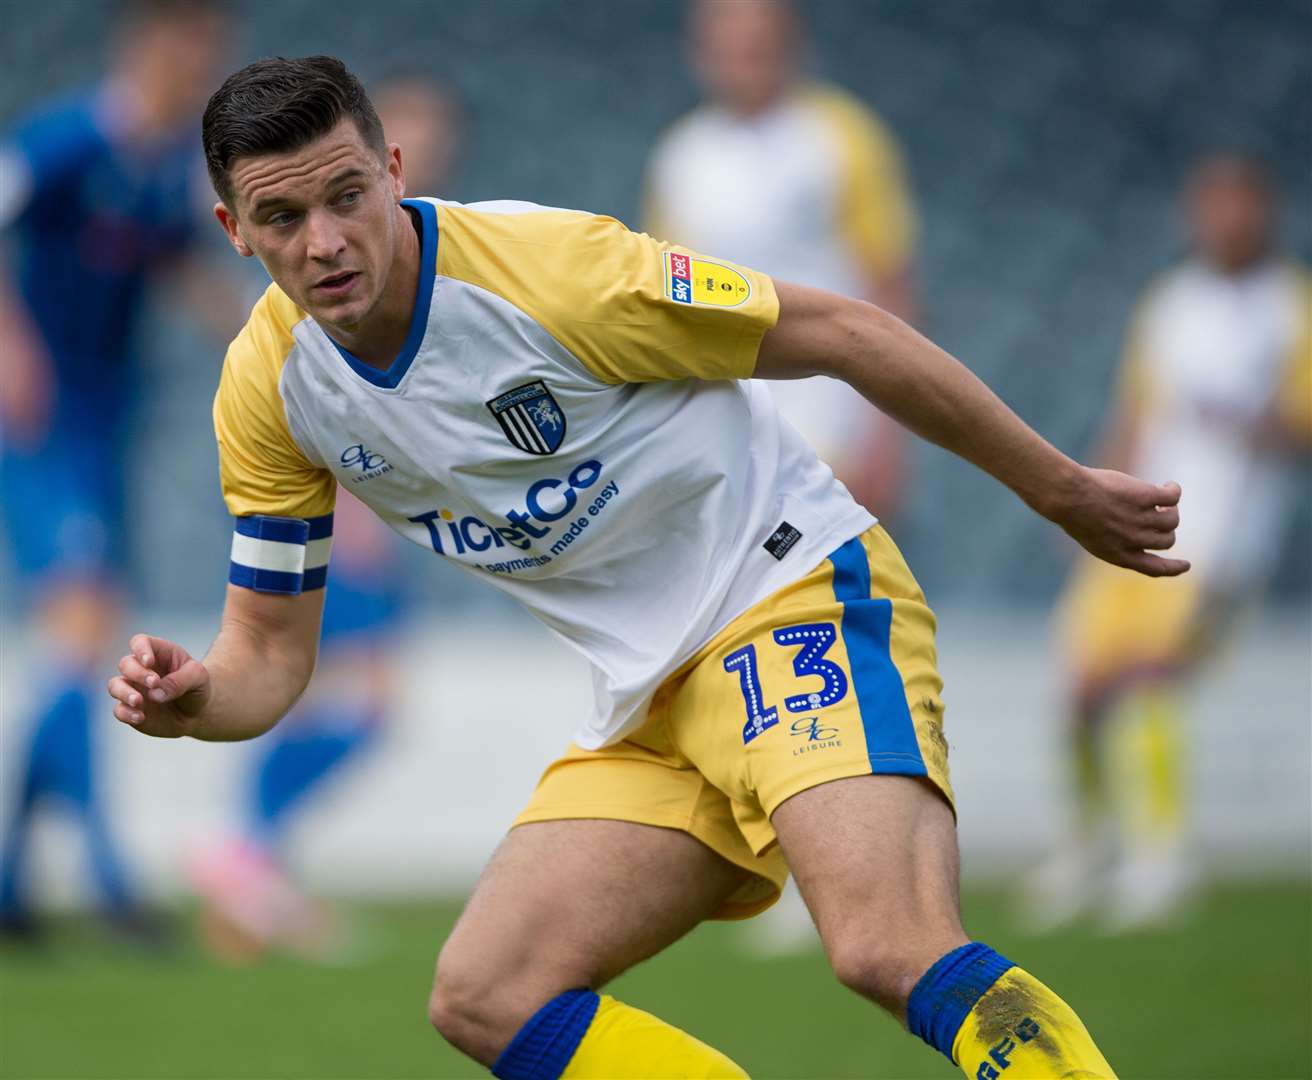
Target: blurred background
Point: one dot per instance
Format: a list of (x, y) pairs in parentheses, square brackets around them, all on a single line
[(1147, 813)]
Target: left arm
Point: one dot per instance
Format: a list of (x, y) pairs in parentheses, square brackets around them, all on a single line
[(1116, 517)]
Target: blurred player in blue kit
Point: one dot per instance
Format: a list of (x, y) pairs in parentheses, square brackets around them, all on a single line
[(97, 200), (566, 410), (252, 901)]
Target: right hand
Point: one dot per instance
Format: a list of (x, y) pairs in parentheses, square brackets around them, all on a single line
[(1123, 520), (160, 688)]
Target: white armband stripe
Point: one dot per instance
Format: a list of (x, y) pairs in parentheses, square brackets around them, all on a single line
[(271, 554)]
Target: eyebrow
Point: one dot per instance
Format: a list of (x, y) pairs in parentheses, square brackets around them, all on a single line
[(268, 202)]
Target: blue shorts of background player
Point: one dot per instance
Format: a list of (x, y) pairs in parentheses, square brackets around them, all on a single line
[(62, 514), (63, 509)]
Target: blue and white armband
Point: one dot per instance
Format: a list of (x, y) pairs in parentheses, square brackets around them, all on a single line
[(281, 555)]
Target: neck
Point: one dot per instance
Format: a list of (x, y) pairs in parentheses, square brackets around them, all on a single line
[(379, 338), (1240, 266), (750, 110)]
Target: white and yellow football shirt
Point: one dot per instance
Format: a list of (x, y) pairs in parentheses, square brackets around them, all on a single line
[(1211, 359), (568, 419), (811, 190)]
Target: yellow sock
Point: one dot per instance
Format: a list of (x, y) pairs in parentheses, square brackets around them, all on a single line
[(1022, 1028), (997, 1022), (624, 1043), (581, 1036), (1089, 780), (1150, 766)]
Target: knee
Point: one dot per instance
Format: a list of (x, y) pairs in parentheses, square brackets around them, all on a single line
[(478, 1003), (462, 1007), (886, 969)]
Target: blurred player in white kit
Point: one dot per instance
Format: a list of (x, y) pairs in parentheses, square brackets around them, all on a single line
[(1216, 388), (801, 179)]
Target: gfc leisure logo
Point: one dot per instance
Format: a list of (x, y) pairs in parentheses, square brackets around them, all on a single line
[(370, 464)]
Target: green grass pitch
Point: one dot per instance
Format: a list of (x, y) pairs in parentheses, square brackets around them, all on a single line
[(1227, 994)]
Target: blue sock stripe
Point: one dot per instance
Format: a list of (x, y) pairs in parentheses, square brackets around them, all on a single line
[(947, 992), (542, 1048)]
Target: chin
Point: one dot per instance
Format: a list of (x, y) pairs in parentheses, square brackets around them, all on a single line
[(345, 316)]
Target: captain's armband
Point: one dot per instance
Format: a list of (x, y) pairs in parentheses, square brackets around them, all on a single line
[(281, 554)]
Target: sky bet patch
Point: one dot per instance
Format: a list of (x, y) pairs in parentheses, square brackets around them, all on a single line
[(690, 280), (782, 540)]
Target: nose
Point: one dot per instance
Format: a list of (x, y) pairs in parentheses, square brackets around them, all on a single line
[(324, 238)]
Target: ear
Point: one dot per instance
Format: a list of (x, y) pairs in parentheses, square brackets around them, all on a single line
[(228, 220), (395, 171)]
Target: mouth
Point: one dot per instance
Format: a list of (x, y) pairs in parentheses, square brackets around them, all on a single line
[(337, 284)]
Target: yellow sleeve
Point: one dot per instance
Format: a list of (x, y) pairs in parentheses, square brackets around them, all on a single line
[(630, 308), (261, 469), (1136, 394), (1294, 401), (875, 208)]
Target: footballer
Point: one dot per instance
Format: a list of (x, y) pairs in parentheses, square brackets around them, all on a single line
[(564, 408)]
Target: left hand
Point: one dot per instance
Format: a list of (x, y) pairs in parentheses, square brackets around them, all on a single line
[(1123, 520)]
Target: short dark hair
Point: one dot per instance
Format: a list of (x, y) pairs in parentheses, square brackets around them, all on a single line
[(277, 105)]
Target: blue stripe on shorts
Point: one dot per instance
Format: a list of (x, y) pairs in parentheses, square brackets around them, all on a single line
[(890, 733)]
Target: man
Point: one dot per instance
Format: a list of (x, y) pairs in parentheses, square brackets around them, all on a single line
[(802, 181), (96, 204), (252, 902), (562, 407), (1216, 388)]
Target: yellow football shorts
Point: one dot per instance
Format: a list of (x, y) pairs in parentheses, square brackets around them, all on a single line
[(832, 676), (1115, 623)]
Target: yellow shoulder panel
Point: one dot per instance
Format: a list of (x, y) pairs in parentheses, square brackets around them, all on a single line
[(630, 308), (876, 209), (1294, 400), (1138, 393), (261, 469)]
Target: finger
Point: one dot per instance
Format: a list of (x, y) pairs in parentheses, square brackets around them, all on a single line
[(1158, 541), (131, 717), (133, 670), (1155, 565), (189, 676), (1167, 494), (1167, 517), (124, 692), (143, 648)]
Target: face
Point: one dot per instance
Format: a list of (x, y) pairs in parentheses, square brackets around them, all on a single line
[(422, 120), (744, 52), (1230, 213), (175, 61), (323, 221)]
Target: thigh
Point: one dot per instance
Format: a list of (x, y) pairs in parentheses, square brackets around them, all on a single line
[(644, 780), (875, 858), (565, 904)]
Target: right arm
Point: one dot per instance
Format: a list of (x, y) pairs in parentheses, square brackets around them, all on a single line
[(257, 667), (263, 656)]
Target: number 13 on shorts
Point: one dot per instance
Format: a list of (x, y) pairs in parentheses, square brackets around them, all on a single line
[(810, 642)]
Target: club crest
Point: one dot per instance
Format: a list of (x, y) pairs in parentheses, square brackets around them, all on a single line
[(531, 418)]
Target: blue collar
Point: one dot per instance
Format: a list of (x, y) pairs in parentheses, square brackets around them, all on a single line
[(391, 376)]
